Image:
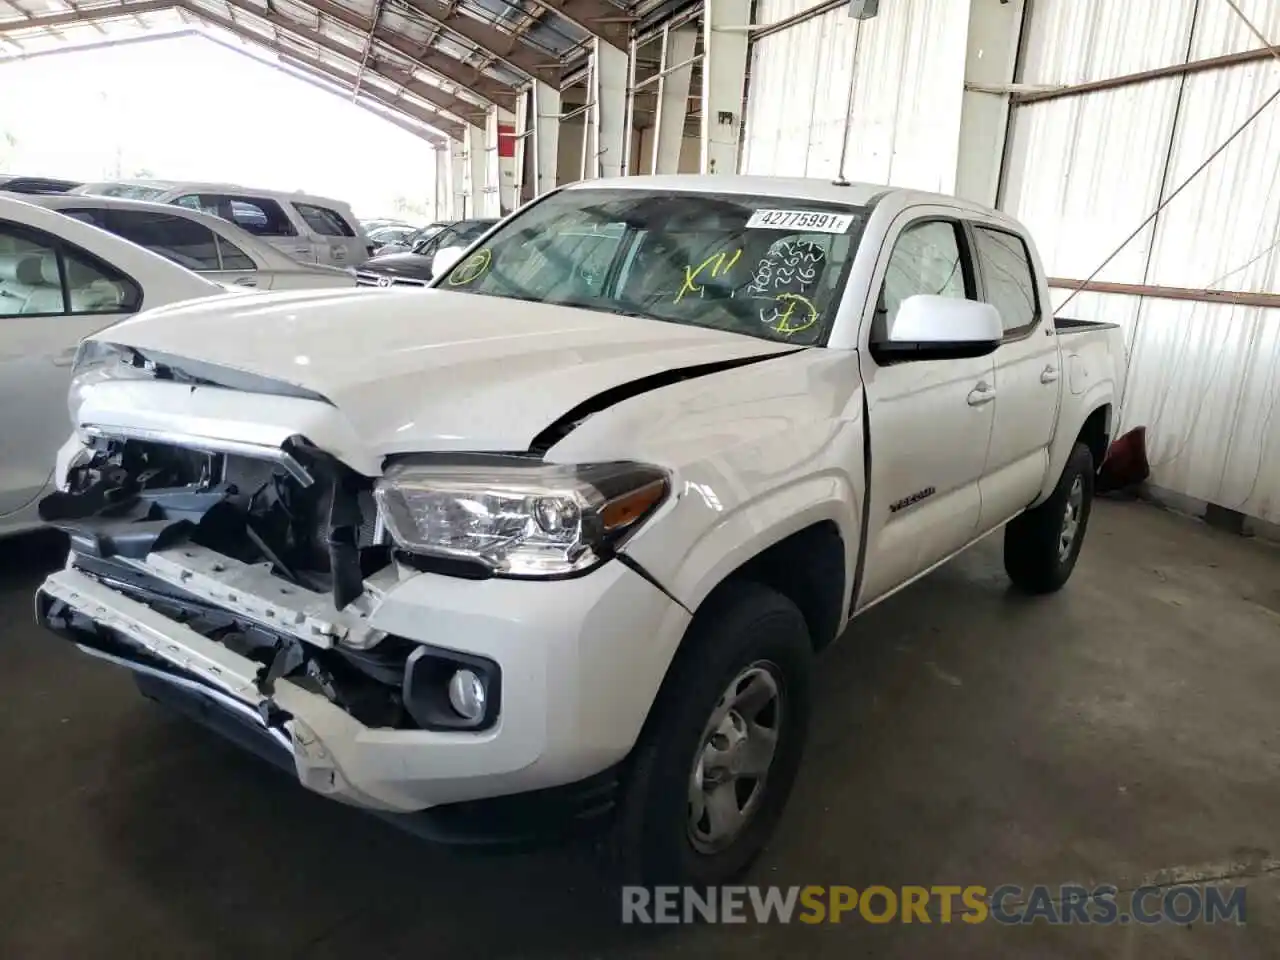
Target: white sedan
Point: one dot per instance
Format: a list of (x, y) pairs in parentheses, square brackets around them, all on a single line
[(211, 246), (60, 280)]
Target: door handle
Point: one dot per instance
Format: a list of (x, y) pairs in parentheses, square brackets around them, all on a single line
[(65, 358), (246, 282), (1049, 374), (982, 393)]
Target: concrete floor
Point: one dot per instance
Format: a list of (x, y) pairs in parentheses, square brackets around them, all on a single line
[(1127, 726)]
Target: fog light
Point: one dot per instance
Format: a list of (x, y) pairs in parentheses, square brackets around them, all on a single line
[(466, 695)]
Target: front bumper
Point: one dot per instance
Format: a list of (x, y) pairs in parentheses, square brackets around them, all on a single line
[(581, 662)]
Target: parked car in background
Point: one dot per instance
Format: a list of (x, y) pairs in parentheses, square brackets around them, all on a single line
[(394, 233), (211, 246), (413, 267), (15, 184), (60, 280), (308, 228), (566, 531), (413, 239), (370, 225)]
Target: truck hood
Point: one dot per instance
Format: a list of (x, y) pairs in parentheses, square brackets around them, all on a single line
[(425, 370)]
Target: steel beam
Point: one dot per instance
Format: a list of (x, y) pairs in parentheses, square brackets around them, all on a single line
[(546, 138), (608, 117), (425, 91), (309, 72), (599, 18), (1239, 298), (673, 99), (92, 15), (477, 204), (991, 57), (461, 109), (450, 68), (445, 124), (504, 46), (1146, 76), (724, 74), (499, 171)]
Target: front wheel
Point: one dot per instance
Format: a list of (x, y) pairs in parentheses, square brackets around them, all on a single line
[(718, 756), (1042, 545)]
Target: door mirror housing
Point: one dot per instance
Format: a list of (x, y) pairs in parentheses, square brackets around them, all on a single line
[(941, 328), (445, 258)]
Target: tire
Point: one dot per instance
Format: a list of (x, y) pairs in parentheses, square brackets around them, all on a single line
[(1037, 556), (748, 636)]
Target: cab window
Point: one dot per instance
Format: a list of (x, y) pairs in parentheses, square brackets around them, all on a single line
[(1007, 279), (40, 275)]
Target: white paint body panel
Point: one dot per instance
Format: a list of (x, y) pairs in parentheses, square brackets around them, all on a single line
[(272, 269), (36, 353), (755, 453)]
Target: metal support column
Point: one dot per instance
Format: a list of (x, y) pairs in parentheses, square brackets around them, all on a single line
[(724, 74), (546, 137), (443, 202), (459, 182), (990, 61), (674, 78), (476, 172), (607, 139), (499, 167)]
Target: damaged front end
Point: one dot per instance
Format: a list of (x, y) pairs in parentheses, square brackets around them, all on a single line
[(272, 562)]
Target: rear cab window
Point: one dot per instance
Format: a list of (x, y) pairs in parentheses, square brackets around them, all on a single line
[(1008, 280), (324, 221), (261, 216)]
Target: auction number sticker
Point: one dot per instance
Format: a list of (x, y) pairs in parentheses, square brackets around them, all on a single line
[(800, 220)]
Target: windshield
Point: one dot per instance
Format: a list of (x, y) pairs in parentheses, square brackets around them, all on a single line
[(767, 267)]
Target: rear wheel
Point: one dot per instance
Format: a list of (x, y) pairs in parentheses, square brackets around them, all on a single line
[(720, 752), (1042, 545)]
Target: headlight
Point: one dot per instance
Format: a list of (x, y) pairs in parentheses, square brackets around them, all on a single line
[(96, 362), (518, 519)]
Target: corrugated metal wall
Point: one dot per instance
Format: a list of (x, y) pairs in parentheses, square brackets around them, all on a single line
[(1085, 170), (908, 84)]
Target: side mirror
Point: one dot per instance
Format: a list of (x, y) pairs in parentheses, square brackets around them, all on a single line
[(941, 328), (445, 258)]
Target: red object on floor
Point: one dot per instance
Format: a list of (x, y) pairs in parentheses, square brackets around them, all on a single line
[(1126, 462)]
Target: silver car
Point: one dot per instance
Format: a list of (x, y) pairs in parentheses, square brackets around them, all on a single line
[(206, 244)]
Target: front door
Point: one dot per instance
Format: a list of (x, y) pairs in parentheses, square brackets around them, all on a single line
[(51, 296), (1027, 377), (929, 420)]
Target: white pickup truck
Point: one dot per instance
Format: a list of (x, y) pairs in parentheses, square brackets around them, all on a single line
[(561, 536)]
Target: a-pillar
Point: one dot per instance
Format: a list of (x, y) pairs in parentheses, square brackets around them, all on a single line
[(500, 163), (607, 122), (673, 99), (724, 75), (546, 137), (990, 59)]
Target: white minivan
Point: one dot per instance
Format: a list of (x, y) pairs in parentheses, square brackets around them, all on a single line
[(308, 228)]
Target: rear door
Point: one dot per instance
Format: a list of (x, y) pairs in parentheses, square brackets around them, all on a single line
[(1027, 378), (51, 296), (340, 244)]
